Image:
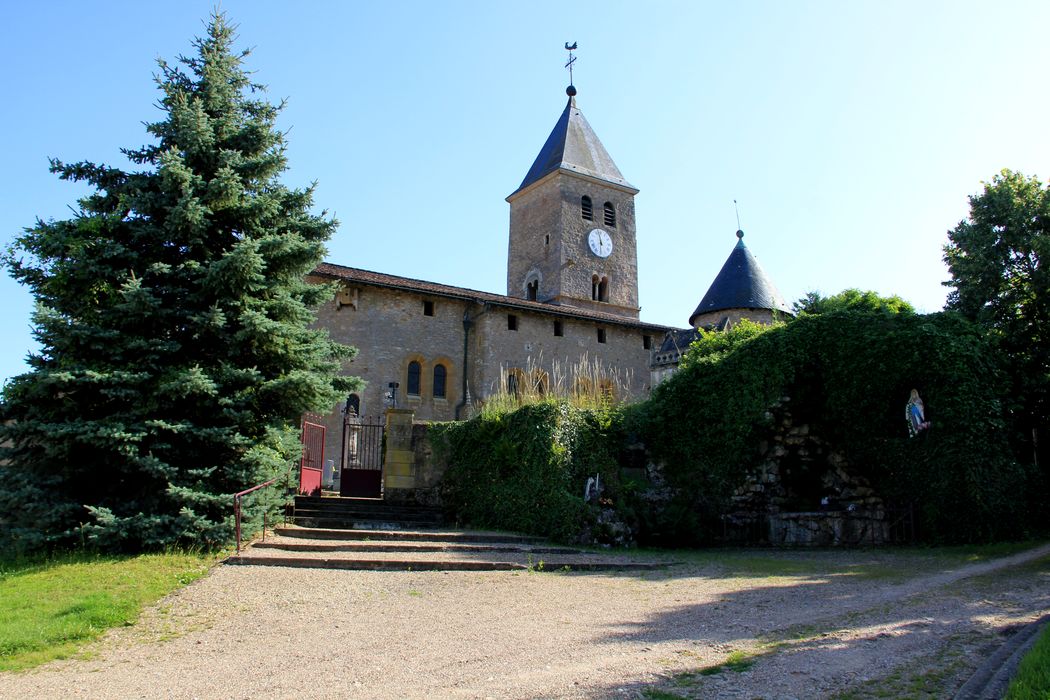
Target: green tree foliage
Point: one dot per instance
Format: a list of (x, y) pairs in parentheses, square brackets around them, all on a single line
[(174, 321), (999, 260), (851, 300), (713, 345), (848, 375)]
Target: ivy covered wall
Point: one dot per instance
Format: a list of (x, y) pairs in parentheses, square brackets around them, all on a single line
[(847, 375)]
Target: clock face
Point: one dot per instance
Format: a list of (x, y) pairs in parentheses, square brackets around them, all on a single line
[(600, 242)]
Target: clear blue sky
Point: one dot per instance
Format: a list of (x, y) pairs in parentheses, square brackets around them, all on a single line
[(850, 132)]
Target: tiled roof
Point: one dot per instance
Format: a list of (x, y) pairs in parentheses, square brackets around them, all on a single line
[(379, 279), (678, 340), (741, 284), (574, 147)]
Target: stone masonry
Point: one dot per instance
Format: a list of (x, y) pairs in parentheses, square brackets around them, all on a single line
[(548, 242), (475, 336)]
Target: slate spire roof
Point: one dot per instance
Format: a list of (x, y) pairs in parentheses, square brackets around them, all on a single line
[(574, 148), (741, 284)]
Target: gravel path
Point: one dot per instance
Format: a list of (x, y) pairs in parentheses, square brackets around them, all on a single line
[(865, 622)]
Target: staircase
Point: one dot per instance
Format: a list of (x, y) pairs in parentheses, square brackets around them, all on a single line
[(367, 534), (362, 513)]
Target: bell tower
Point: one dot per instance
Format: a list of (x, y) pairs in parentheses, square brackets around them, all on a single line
[(572, 225)]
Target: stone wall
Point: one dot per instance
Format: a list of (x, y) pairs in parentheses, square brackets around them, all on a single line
[(803, 493), (390, 329), (730, 317), (534, 346)]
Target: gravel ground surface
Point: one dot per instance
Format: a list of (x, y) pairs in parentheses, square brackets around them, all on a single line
[(860, 623)]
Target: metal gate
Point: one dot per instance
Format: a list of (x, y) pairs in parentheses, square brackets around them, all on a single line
[(312, 461), (361, 467)]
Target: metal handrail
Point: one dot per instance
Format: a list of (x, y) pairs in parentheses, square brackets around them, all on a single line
[(237, 508)]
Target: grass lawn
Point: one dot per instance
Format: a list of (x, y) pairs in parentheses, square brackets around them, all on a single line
[(52, 607), (1032, 681)]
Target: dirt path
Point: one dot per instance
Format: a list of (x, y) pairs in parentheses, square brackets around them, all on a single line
[(842, 621)]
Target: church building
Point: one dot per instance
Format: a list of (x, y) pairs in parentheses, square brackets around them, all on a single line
[(571, 301), (570, 314)]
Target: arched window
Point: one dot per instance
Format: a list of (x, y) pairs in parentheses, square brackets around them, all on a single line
[(610, 215), (440, 374), (532, 290), (586, 208), (603, 289), (513, 381), (583, 388), (594, 287), (540, 382), (414, 372)]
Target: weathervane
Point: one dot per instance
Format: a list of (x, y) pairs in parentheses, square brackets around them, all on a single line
[(572, 59)]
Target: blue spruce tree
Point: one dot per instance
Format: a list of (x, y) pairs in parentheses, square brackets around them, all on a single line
[(177, 353)]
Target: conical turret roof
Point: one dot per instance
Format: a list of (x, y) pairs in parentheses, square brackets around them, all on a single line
[(741, 284), (574, 147)]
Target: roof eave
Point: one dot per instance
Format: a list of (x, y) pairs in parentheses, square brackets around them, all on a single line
[(624, 187), (488, 298)]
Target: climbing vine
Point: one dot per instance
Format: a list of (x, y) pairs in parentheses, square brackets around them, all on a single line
[(526, 470), (849, 373)]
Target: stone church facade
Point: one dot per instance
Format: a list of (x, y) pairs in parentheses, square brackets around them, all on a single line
[(571, 300)]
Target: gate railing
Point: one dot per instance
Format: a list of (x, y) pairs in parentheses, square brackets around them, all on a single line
[(363, 442), (237, 508), (361, 462)]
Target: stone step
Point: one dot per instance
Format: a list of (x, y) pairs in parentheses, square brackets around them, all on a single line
[(436, 565), (413, 547), (369, 524), (440, 561), (362, 513), (373, 514), (360, 504), (411, 550), (373, 565), (405, 535)]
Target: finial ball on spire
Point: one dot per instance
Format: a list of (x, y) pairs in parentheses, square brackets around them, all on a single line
[(571, 91), (740, 234)]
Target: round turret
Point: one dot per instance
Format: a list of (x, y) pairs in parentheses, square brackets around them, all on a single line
[(741, 290)]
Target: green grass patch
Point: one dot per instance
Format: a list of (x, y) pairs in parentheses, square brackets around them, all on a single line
[(52, 607), (657, 694), (737, 661), (1032, 681)]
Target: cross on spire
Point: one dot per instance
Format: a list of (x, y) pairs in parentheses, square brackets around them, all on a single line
[(572, 59)]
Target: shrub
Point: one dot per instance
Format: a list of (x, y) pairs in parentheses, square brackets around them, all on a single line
[(526, 470)]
